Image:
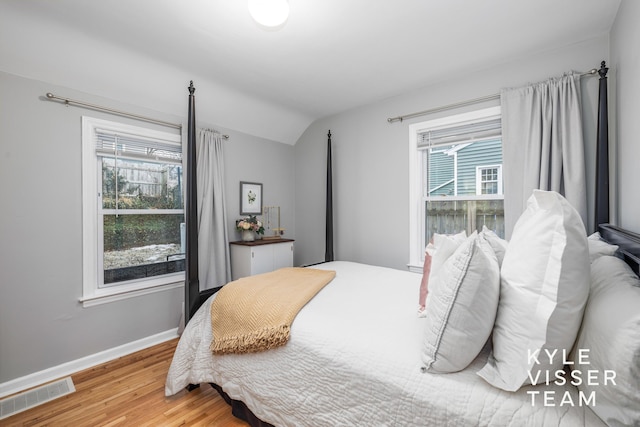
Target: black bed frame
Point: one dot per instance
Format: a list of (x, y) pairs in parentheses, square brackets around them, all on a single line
[(628, 242)]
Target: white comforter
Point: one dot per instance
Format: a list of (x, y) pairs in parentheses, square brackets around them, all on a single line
[(354, 359)]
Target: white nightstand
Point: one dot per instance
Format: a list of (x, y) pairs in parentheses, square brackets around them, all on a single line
[(260, 256)]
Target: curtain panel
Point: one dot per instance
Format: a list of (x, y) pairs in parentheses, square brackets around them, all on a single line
[(543, 145), (214, 264)]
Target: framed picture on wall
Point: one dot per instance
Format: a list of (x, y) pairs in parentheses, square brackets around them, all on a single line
[(250, 198)]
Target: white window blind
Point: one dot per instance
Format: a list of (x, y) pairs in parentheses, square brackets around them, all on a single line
[(462, 133), (123, 145)]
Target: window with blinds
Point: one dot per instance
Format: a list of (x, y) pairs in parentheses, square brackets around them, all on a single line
[(458, 178), (135, 176)]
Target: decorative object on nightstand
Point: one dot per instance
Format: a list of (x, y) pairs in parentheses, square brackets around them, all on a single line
[(249, 227), (271, 216)]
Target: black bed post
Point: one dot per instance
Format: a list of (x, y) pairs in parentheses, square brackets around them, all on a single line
[(328, 253), (602, 153), (192, 285)]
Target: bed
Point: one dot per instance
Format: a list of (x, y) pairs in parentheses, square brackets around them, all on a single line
[(356, 356), (347, 364)]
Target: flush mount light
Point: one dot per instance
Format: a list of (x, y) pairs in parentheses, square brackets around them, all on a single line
[(269, 13)]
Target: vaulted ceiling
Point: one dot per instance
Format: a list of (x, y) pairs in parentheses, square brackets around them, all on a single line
[(331, 55)]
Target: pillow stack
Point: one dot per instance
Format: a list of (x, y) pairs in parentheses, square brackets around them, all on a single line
[(530, 294), (543, 291)]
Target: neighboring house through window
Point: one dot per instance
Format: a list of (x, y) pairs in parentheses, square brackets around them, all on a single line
[(489, 179), (133, 211), (456, 177)]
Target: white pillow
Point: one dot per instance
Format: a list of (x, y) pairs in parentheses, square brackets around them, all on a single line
[(543, 291), (444, 245), (609, 341), (598, 247), (498, 244), (461, 306)]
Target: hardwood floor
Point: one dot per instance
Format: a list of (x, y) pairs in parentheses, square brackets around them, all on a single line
[(129, 391)]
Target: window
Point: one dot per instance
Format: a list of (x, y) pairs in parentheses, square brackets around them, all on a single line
[(456, 177), (489, 179), (133, 211)]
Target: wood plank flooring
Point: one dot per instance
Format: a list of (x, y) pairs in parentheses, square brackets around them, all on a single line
[(129, 391)]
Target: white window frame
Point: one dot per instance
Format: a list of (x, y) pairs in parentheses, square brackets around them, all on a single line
[(416, 205), (92, 238), (479, 181)]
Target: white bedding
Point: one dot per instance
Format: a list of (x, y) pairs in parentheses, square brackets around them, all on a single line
[(354, 359)]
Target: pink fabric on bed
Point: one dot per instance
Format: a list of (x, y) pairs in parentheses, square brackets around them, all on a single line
[(424, 284)]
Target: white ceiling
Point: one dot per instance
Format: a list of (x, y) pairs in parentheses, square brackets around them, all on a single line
[(331, 56)]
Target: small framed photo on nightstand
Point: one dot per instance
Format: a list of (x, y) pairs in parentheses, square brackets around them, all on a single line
[(250, 198)]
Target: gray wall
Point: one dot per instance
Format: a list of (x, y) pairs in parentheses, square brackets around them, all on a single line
[(371, 156), (625, 69), (270, 163), (42, 323)]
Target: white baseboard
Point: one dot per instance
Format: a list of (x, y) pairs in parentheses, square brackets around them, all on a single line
[(68, 368)]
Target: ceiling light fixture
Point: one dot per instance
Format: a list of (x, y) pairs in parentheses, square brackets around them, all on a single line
[(269, 13)]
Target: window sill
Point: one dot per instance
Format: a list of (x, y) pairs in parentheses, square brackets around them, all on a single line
[(104, 296), (414, 268)]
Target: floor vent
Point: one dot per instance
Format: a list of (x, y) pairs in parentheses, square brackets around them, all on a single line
[(34, 397)]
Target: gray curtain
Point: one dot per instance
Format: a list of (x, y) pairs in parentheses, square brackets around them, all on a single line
[(543, 146), (214, 265)]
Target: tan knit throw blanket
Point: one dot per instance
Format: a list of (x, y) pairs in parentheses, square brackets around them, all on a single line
[(255, 313)]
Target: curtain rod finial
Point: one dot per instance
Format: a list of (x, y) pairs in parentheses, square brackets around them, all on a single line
[(603, 70), (191, 88)]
